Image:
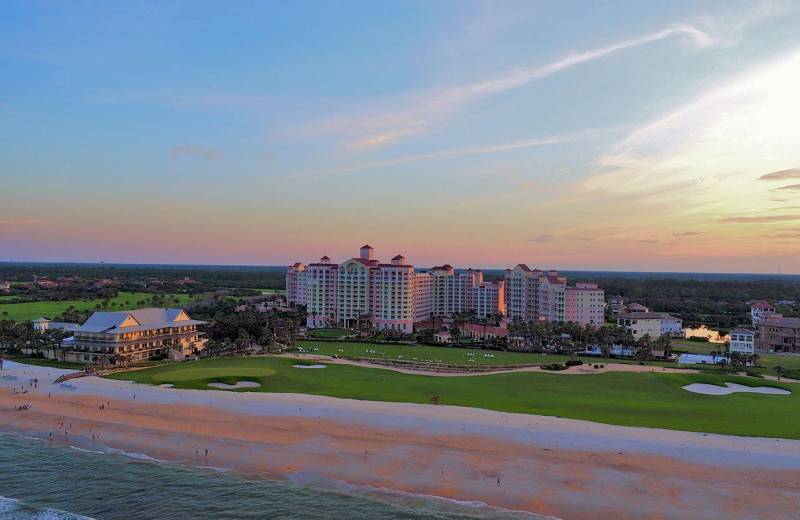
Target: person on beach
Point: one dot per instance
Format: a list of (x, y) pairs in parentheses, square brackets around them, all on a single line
[(206, 453), (498, 480), (365, 454)]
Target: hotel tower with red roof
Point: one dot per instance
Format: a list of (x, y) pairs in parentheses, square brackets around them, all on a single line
[(395, 296)]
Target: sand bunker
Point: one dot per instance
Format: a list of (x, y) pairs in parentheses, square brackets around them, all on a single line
[(240, 384), (703, 388), (310, 366)]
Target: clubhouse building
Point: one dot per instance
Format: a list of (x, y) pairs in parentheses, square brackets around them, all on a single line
[(136, 336)]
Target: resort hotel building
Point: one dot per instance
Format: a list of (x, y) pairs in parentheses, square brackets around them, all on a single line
[(395, 295)]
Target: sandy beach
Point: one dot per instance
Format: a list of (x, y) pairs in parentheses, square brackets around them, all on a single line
[(546, 465)]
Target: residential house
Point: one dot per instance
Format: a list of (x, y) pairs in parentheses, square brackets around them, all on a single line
[(743, 341), (778, 334)]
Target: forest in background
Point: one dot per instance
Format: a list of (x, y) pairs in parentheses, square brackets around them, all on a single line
[(717, 300)]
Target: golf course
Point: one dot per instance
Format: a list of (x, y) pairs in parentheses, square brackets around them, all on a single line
[(645, 399), (51, 309)]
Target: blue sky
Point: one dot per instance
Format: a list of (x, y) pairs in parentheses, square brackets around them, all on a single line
[(571, 135)]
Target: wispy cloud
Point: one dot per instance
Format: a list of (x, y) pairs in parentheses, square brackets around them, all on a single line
[(758, 219), (556, 238), (791, 187), (781, 175), (704, 153), (687, 234), (422, 110), (792, 236), (503, 147), (381, 139), (197, 151)]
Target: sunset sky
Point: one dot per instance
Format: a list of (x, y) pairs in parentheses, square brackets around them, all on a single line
[(646, 136)]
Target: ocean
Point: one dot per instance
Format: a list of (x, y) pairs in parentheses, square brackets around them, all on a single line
[(40, 481)]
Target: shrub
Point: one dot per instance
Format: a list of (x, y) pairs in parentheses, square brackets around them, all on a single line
[(596, 366), (553, 366), (753, 373), (573, 363)]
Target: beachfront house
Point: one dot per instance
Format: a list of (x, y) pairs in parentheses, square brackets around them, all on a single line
[(641, 323), (136, 336), (759, 310), (743, 341), (672, 326)]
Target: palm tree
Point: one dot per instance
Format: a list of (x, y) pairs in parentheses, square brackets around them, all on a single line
[(664, 344), (455, 332), (644, 349)]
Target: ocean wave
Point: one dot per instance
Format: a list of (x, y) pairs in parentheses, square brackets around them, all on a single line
[(13, 509), (77, 448), (215, 468), (137, 456)]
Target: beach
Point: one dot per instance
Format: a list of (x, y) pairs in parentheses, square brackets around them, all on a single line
[(563, 468)]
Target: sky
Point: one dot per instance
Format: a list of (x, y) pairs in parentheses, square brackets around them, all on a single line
[(632, 136)]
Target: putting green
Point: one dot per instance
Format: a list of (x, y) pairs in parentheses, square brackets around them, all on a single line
[(237, 373)]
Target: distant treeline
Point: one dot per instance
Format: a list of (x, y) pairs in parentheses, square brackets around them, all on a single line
[(721, 303), (211, 277), (717, 300)]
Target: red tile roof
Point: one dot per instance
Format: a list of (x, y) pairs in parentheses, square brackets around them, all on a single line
[(497, 331)]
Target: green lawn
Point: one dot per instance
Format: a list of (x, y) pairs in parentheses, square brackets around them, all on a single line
[(446, 355), (47, 309), (329, 333), (647, 399), (49, 363)]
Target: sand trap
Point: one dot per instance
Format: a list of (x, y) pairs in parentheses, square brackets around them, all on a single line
[(166, 385), (310, 366), (703, 388), (240, 384)]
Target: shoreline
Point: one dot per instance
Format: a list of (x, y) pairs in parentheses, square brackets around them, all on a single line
[(565, 468)]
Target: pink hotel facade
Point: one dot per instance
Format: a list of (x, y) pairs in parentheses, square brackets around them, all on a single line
[(395, 296)]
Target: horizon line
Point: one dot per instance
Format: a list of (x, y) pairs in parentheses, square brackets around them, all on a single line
[(156, 264)]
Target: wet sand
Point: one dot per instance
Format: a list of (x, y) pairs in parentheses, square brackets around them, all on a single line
[(565, 468)]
